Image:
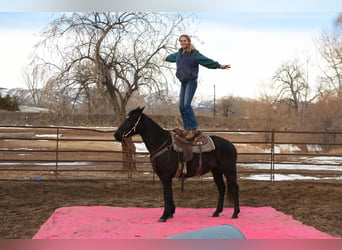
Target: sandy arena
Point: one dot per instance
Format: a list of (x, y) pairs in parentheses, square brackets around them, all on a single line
[(26, 205)]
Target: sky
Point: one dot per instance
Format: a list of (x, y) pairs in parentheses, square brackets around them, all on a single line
[(253, 38), (256, 44)]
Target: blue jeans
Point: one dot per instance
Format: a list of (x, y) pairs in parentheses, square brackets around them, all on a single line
[(187, 92)]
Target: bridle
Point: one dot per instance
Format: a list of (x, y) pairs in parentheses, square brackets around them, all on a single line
[(159, 151), (133, 129)]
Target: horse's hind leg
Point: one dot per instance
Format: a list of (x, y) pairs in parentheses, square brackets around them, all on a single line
[(233, 193), (221, 187)]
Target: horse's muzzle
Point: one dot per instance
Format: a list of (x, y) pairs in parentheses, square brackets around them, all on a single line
[(118, 137)]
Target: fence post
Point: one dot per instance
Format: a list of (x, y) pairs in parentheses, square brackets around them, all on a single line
[(272, 156), (57, 152)]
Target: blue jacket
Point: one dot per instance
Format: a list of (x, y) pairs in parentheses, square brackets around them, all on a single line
[(188, 64)]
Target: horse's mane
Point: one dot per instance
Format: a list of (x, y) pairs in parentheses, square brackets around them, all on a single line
[(153, 124)]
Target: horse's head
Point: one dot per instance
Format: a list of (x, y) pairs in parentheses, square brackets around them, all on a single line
[(130, 125)]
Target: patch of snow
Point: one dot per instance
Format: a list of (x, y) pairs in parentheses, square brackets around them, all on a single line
[(140, 147), (49, 135), (284, 148), (283, 177), (314, 148), (323, 159), (293, 166), (289, 148), (29, 109), (75, 163)]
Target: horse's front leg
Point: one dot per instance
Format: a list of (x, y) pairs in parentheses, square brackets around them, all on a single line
[(221, 188), (169, 206)]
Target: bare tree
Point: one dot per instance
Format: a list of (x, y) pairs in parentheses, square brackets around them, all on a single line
[(30, 78), (121, 51), (292, 85), (51, 95), (230, 105), (118, 54), (327, 112), (330, 48)]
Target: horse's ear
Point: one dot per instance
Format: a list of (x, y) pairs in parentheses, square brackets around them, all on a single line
[(139, 109)]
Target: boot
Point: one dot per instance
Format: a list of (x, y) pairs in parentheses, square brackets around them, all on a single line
[(192, 134)]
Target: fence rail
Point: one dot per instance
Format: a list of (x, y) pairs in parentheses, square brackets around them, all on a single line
[(59, 153)]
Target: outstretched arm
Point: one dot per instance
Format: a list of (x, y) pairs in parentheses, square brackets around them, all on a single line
[(209, 63), (171, 58)]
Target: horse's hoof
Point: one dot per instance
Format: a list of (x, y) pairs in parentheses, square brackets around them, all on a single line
[(235, 214), (215, 215), (162, 220)]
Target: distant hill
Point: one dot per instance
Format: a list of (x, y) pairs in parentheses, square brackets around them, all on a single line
[(25, 98), (23, 95)]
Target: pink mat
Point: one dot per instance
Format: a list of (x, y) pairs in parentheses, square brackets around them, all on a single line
[(141, 223)]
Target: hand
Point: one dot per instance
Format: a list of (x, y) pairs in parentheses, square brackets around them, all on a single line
[(227, 66)]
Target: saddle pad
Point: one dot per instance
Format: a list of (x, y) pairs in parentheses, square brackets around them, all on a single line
[(207, 146)]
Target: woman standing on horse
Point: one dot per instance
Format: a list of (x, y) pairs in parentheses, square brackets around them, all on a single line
[(187, 60)]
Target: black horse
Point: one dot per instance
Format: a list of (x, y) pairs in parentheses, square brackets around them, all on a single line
[(221, 161)]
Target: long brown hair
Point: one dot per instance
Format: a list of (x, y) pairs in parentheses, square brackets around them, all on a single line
[(190, 47)]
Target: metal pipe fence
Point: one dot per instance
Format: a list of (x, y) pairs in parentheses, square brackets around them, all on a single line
[(61, 153)]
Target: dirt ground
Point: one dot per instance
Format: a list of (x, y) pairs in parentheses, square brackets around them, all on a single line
[(26, 205)]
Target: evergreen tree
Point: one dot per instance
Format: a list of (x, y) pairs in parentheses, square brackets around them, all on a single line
[(9, 103)]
